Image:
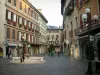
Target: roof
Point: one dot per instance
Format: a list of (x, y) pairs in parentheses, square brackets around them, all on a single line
[(36, 10)]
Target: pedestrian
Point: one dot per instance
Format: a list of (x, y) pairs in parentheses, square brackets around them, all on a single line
[(23, 57), (9, 52), (49, 51)]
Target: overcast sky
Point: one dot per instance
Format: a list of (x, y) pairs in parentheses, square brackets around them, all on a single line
[(51, 9)]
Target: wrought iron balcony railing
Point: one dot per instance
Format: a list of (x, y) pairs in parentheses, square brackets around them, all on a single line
[(84, 28)]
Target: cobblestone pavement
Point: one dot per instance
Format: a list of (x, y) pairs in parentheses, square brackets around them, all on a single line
[(52, 66)]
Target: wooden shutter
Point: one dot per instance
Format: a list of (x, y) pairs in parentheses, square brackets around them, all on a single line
[(11, 16), (6, 14)]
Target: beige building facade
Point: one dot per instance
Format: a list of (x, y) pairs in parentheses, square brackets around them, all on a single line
[(43, 29), (54, 36), (19, 31), (70, 23), (76, 31)]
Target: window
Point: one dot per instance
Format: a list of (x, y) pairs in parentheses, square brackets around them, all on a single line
[(29, 38), (20, 20), (14, 17), (8, 32), (52, 37), (76, 22), (25, 9), (48, 37), (19, 35), (9, 1), (32, 38), (13, 34), (9, 15), (32, 26), (21, 5), (25, 22), (57, 37), (33, 14), (71, 25), (99, 6), (37, 17), (29, 11), (67, 25), (24, 36), (14, 2)]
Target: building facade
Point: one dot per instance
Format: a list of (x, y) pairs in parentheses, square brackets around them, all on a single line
[(75, 31), (82, 30), (19, 31), (54, 36), (43, 30), (70, 23)]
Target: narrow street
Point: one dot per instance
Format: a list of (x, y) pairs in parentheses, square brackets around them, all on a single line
[(52, 66)]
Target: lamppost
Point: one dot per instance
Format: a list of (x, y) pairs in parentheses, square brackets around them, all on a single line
[(87, 19)]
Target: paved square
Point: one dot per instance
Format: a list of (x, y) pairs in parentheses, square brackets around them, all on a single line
[(52, 66)]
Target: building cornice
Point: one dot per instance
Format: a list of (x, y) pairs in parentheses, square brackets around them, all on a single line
[(27, 2)]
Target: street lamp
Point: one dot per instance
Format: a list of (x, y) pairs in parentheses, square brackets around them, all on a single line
[(67, 42), (87, 18)]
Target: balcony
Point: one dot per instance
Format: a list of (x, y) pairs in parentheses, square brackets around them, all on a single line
[(95, 27), (69, 8)]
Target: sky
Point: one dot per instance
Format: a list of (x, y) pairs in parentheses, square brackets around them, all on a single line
[(51, 9)]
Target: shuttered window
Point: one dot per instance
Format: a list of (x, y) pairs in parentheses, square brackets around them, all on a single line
[(20, 5), (13, 34), (14, 2)]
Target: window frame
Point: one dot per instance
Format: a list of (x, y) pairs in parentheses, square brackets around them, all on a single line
[(15, 2), (13, 34), (20, 5), (9, 1), (8, 33)]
